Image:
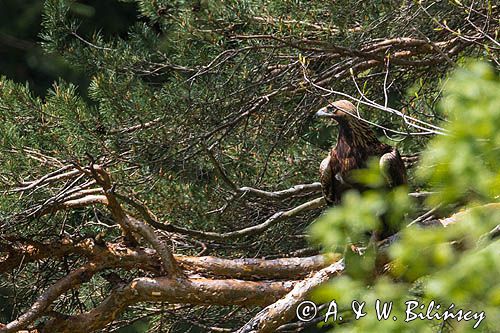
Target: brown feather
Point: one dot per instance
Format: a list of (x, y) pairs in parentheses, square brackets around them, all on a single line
[(356, 144)]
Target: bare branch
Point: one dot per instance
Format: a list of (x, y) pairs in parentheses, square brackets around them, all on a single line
[(48, 178), (131, 129), (283, 194), (131, 224), (282, 268), (112, 255), (253, 230), (176, 290), (273, 316), (219, 168)]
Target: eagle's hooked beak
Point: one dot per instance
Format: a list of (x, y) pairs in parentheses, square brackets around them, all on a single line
[(323, 113)]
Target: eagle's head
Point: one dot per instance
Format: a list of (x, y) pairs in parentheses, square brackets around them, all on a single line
[(337, 110)]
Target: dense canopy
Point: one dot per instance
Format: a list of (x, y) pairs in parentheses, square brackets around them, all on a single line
[(168, 180)]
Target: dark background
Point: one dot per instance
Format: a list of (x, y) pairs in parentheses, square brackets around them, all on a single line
[(21, 55), (23, 60)]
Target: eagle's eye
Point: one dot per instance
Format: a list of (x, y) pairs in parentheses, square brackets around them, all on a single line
[(336, 110)]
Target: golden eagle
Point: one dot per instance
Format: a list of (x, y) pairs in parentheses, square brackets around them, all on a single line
[(356, 144)]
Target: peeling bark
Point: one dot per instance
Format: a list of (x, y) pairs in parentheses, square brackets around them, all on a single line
[(119, 256), (282, 268), (188, 291), (281, 312)]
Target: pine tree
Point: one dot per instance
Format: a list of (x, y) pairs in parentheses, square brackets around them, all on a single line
[(178, 193)]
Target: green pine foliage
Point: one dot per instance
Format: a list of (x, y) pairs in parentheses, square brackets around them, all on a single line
[(456, 265), (170, 80)]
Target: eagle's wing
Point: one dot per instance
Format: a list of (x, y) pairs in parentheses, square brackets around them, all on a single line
[(326, 179), (393, 169), (332, 182)]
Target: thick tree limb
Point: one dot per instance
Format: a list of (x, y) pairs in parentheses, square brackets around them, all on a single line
[(282, 268), (267, 320), (177, 289), (271, 317), (172, 290), (110, 255), (113, 255)]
